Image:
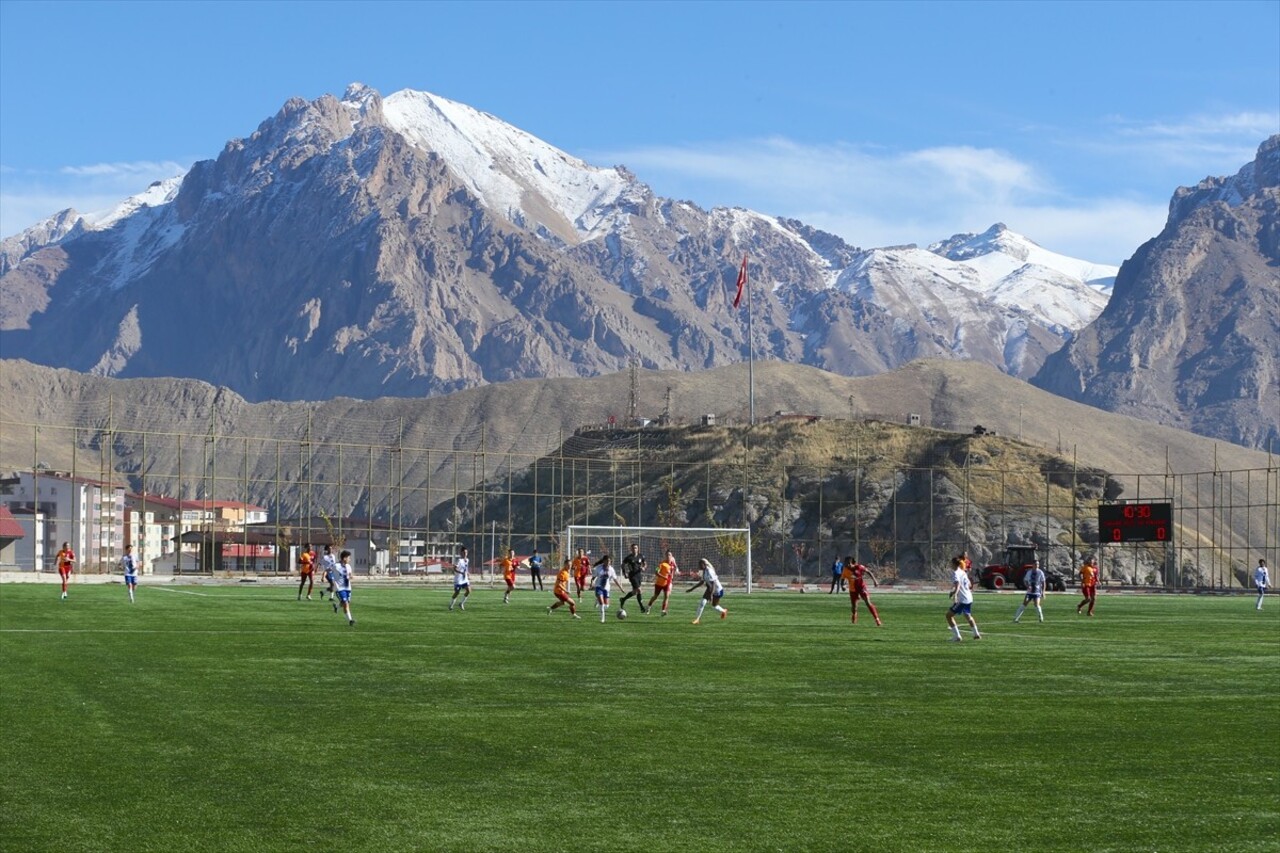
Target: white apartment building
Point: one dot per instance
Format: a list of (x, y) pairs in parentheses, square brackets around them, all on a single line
[(57, 507)]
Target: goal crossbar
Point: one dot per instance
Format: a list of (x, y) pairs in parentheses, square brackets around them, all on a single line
[(728, 548)]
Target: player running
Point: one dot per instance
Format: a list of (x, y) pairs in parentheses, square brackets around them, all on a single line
[(306, 568), (561, 590), (1088, 584), (343, 582), (633, 571), (129, 565), (65, 560), (328, 569), (461, 579), (581, 571), (606, 576), (714, 590), (1034, 579), (962, 601), (662, 580), (855, 576), (1261, 580), (508, 566)]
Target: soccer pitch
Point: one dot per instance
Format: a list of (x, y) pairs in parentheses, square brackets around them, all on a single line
[(237, 718)]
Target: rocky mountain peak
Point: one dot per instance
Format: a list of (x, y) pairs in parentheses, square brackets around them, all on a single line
[(412, 245), (1191, 337), (1262, 173)]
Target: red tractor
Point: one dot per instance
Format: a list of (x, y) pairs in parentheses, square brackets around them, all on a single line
[(1017, 560)]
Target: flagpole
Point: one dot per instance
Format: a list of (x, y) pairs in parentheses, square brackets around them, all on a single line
[(751, 348)]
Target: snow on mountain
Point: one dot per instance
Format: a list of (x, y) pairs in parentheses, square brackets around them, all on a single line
[(1060, 302), (530, 181), (997, 252), (995, 296), (159, 193), (929, 282), (1063, 293), (126, 257)]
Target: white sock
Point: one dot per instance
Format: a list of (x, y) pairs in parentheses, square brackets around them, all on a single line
[(1039, 612), (955, 631), (1018, 615), (701, 606), (720, 609)]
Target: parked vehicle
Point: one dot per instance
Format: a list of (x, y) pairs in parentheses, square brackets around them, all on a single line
[(1017, 560)]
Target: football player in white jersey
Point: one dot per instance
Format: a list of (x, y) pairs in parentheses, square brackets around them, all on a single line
[(461, 579), (606, 577), (342, 580), (1034, 581), (714, 590), (962, 601)]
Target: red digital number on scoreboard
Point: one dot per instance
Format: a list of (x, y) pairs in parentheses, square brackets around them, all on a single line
[(1148, 522)]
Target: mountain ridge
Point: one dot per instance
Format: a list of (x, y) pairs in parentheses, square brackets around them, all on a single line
[(399, 268), (1191, 336)]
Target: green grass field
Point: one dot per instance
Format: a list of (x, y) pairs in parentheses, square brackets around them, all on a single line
[(236, 718)]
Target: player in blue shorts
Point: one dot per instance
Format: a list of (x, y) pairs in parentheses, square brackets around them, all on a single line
[(1034, 580), (461, 579), (606, 577), (129, 565), (962, 601), (328, 570), (342, 580), (713, 593)]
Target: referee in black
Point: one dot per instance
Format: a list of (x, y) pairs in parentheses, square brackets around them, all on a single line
[(633, 570)]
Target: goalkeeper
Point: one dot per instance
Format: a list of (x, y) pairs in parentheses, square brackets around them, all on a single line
[(633, 571)]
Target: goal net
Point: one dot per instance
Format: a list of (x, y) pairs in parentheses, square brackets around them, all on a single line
[(728, 548)]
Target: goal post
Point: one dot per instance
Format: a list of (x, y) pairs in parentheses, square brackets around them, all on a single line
[(728, 548)]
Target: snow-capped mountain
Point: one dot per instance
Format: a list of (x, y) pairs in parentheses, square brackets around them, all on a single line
[(413, 245), (509, 171), (999, 252)]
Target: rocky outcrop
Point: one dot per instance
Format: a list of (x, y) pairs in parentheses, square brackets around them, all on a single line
[(1191, 336)]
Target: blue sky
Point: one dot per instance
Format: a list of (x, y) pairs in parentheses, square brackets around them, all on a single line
[(883, 122)]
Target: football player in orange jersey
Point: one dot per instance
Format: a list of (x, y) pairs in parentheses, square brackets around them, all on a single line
[(508, 566), (306, 569), (853, 574), (1088, 584), (581, 571), (562, 590), (66, 559), (662, 580)]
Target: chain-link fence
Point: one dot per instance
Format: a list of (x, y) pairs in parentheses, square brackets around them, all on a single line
[(228, 500)]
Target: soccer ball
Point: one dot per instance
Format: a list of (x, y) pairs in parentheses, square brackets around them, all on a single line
[(622, 614)]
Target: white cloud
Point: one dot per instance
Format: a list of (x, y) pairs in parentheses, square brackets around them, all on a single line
[(124, 170), (874, 198), (1220, 143), (29, 196)]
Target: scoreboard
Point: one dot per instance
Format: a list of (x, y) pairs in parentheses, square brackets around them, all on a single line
[(1135, 522)]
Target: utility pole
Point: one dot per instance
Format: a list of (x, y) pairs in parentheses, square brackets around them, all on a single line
[(633, 409)]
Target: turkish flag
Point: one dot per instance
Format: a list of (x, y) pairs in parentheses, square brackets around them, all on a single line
[(742, 282)]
